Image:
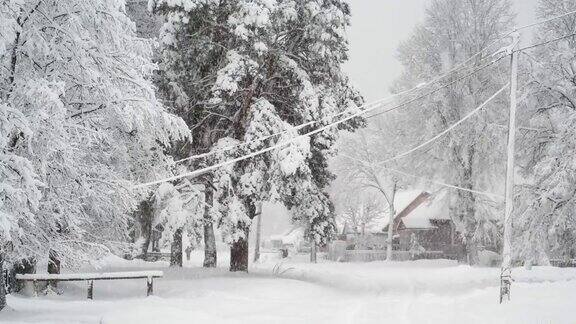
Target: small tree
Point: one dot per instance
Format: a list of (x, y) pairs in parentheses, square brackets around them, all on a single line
[(361, 210), (362, 164)]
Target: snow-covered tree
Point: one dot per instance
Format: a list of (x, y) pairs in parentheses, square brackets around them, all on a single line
[(361, 167), (471, 156), (80, 126), (545, 223), (19, 193), (361, 212), (177, 210), (244, 69)]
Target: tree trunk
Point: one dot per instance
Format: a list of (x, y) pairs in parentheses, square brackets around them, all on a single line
[(313, 258), (471, 222), (2, 284), (466, 206), (176, 249), (472, 251), (146, 218), (392, 215), (210, 254), (53, 267), (258, 235), (146, 244), (239, 254)]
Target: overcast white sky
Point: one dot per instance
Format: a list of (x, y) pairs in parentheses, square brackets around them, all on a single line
[(378, 27)]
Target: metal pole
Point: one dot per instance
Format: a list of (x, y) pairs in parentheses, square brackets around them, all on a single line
[(506, 271)]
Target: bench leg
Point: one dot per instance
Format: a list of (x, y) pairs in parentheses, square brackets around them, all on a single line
[(90, 289), (150, 284)]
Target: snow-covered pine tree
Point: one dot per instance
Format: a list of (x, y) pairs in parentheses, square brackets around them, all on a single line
[(546, 224), (471, 156), (190, 59), (246, 69), (80, 125)]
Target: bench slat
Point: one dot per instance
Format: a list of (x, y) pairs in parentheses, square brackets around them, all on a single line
[(91, 276)]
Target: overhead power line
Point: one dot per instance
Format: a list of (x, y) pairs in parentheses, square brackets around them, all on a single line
[(470, 114), (379, 102), (427, 94), (547, 42), (540, 22), (287, 142), (372, 106), (484, 193)]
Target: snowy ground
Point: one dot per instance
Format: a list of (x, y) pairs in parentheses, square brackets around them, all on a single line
[(409, 292)]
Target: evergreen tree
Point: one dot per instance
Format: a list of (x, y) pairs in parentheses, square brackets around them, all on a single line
[(240, 70)]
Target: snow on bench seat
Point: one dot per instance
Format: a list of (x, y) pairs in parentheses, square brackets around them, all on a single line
[(90, 277)]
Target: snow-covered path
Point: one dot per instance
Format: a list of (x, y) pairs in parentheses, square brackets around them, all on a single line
[(237, 299), (194, 295)]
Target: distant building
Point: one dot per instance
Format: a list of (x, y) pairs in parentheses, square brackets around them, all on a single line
[(422, 229), (292, 239), (426, 220)]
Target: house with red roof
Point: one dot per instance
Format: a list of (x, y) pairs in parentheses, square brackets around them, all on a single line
[(424, 219), (422, 223)]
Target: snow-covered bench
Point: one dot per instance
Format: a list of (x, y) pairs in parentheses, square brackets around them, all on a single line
[(90, 277)]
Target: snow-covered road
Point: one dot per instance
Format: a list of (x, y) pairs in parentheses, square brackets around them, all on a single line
[(194, 295)]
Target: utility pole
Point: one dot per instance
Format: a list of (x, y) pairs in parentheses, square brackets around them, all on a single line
[(506, 271)]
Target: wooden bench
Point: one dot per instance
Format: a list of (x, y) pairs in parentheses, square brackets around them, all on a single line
[(90, 277)]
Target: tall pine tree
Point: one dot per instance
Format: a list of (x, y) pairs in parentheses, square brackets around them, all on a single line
[(240, 70)]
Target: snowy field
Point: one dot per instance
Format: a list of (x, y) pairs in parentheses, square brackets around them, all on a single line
[(410, 292)]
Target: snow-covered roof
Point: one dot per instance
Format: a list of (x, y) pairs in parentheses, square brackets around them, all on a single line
[(292, 236), (404, 198), (435, 207)]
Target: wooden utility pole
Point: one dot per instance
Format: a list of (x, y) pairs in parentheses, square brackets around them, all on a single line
[(506, 271)]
